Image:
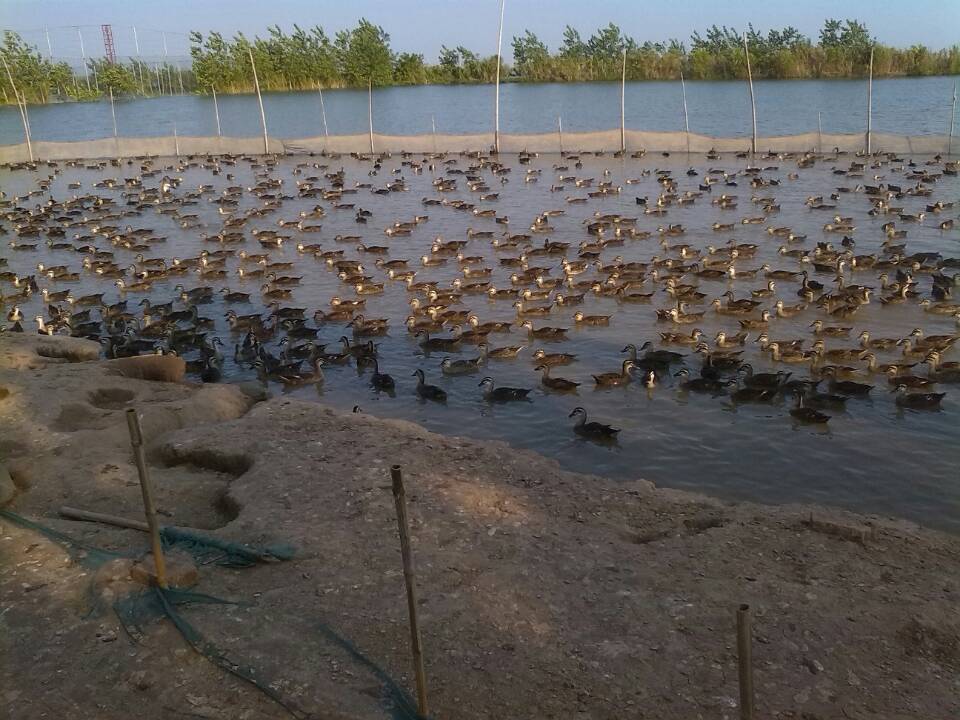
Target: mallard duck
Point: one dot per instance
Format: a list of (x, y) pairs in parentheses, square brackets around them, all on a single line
[(789, 311), (918, 401), (680, 339), (544, 333), (556, 384), (501, 353), (428, 392), (807, 414), (769, 381), (379, 380), (912, 381), (700, 384), (829, 331), (868, 343), (681, 317), (460, 367), (723, 341), (544, 358), (580, 319), (787, 355), (593, 430), (820, 350), (756, 324), (430, 344), (303, 378), (612, 379), (501, 394), (663, 357)]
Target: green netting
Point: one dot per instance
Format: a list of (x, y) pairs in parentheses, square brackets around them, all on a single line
[(138, 609)]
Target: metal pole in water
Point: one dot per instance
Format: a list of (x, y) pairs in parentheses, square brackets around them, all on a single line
[(323, 115), (753, 100), (83, 55), (46, 31), (263, 116), (496, 95), (819, 133), (113, 112), (870, 105), (216, 109), (623, 105), (370, 110), (403, 526), (953, 119), (560, 132), (433, 131), (176, 140), (136, 46), (686, 117)]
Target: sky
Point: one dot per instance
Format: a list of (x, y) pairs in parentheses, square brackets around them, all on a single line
[(422, 26)]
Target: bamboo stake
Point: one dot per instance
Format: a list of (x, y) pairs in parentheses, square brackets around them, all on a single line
[(400, 500), (90, 516), (623, 106), (496, 95), (686, 117), (370, 110), (753, 100), (136, 440), (21, 106), (216, 109), (745, 661), (870, 106), (263, 116)]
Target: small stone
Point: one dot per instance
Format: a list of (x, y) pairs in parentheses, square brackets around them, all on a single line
[(814, 666)]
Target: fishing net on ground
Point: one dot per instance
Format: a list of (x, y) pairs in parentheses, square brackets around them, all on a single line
[(138, 609)]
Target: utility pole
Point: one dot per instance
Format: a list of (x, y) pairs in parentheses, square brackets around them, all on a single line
[(83, 55)]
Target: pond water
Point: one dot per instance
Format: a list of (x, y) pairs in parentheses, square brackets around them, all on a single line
[(874, 456), (907, 106)]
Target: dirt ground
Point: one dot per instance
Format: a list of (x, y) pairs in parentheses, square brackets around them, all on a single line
[(543, 593)]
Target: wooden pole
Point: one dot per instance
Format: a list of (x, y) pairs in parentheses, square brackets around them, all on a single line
[(400, 500), (686, 117), (136, 440), (90, 516), (623, 105), (370, 110), (753, 99), (870, 106), (496, 95), (21, 106), (263, 115), (216, 109), (745, 661)]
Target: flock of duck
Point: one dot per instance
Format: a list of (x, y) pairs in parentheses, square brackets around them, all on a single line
[(104, 233)]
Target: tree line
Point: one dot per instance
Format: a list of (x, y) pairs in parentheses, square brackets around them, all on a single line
[(307, 59)]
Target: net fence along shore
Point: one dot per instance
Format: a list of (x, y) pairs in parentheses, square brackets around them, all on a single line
[(604, 140)]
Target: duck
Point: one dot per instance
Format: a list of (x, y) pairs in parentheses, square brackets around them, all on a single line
[(613, 379), (868, 343), (700, 384), (912, 381), (917, 401), (428, 392), (544, 358), (580, 319), (501, 353), (556, 384), (788, 311), (753, 395), (769, 381), (835, 331), (460, 367), (429, 344), (787, 355), (491, 393), (544, 333), (807, 415), (379, 380), (756, 324), (592, 430), (314, 377)]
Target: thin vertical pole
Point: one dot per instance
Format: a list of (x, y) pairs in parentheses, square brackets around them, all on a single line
[(216, 109), (745, 661), (753, 100), (46, 31), (166, 63), (953, 119), (113, 112), (21, 106), (870, 106), (176, 140), (686, 117), (180, 77), (370, 110), (263, 115), (819, 132), (136, 440), (623, 103), (83, 55), (400, 500), (136, 45), (323, 114), (496, 95), (560, 132), (433, 131)]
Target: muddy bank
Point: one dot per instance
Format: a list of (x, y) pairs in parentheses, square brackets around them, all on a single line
[(543, 593)]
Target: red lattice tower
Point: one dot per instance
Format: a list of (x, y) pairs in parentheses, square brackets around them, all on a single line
[(108, 48)]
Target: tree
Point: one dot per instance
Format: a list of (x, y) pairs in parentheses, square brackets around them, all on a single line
[(409, 69), (363, 55)]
